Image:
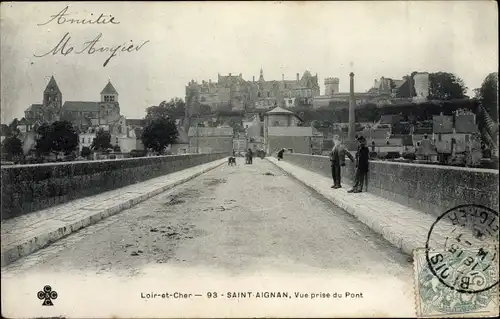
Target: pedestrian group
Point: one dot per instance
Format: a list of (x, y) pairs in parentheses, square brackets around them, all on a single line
[(337, 160)]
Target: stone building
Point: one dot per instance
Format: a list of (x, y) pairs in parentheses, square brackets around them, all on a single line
[(382, 92), (82, 114), (282, 130), (86, 116), (210, 139), (234, 93)]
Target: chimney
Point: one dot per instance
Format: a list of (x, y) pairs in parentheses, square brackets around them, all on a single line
[(297, 77), (229, 74), (283, 77), (352, 106), (253, 79)]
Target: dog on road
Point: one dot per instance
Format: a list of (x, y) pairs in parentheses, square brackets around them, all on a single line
[(231, 161)]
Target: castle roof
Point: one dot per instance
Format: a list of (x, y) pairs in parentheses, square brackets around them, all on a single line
[(81, 106), (52, 86), (109, 89)]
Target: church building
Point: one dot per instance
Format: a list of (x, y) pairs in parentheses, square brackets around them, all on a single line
[(84, 115)]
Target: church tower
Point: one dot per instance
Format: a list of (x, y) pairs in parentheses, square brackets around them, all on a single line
[(52, 96), (52, 102), (109, 93), (109, 108)]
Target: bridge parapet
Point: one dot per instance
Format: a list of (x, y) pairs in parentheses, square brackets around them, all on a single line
[(28, 188), (429, 188)]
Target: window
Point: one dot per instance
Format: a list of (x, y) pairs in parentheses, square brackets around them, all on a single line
[(290, 101), (268, 94), (112, 98), (90, 140), (83, 139), (258, 94), (439, 137)]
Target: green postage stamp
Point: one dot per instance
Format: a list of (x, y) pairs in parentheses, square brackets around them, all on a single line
[(456, 274), (435, 299)]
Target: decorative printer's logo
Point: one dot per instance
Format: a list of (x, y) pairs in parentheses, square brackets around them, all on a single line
[(47, 295)]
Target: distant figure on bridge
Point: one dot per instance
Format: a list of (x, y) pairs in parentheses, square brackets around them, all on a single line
[(280, 154), (362, 159), (337, 160), (249, 156)]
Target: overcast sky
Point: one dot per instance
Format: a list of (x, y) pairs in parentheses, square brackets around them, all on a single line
[(198, 40)]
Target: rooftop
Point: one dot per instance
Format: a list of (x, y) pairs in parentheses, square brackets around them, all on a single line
[(81, 106), (279, 110), (109, 89), (52, 86)]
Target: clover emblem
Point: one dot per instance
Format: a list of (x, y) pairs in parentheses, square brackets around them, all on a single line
[(47, 295)]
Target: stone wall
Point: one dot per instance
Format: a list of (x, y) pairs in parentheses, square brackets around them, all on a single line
[(28, 188), (430, 188)]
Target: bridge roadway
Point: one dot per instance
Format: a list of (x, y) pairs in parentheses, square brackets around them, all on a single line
[(238, 221)]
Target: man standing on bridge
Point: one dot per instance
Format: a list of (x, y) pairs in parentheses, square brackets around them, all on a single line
[(362, 156), (337, 160)]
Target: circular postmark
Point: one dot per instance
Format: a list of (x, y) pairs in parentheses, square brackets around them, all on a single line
[(462, 248)]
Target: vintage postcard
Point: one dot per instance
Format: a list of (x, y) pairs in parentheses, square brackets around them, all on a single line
[(249, 159)]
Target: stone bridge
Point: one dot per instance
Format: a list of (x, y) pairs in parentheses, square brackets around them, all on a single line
[(176, 213)]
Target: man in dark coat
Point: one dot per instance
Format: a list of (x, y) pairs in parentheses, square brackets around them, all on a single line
[(362, 159), (337, 160), (250, 156), (280, 154)]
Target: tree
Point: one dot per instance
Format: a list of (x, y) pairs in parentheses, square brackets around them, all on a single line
[(487, 94), (159, 134), (44, 140), (102, 141), (174, 109), (12, 146), (58, 137), (86, 152), (64, 137), (117, 148), (13, 129), (446, 86)]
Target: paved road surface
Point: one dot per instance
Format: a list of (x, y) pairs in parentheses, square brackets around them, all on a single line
[(236, 220)]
